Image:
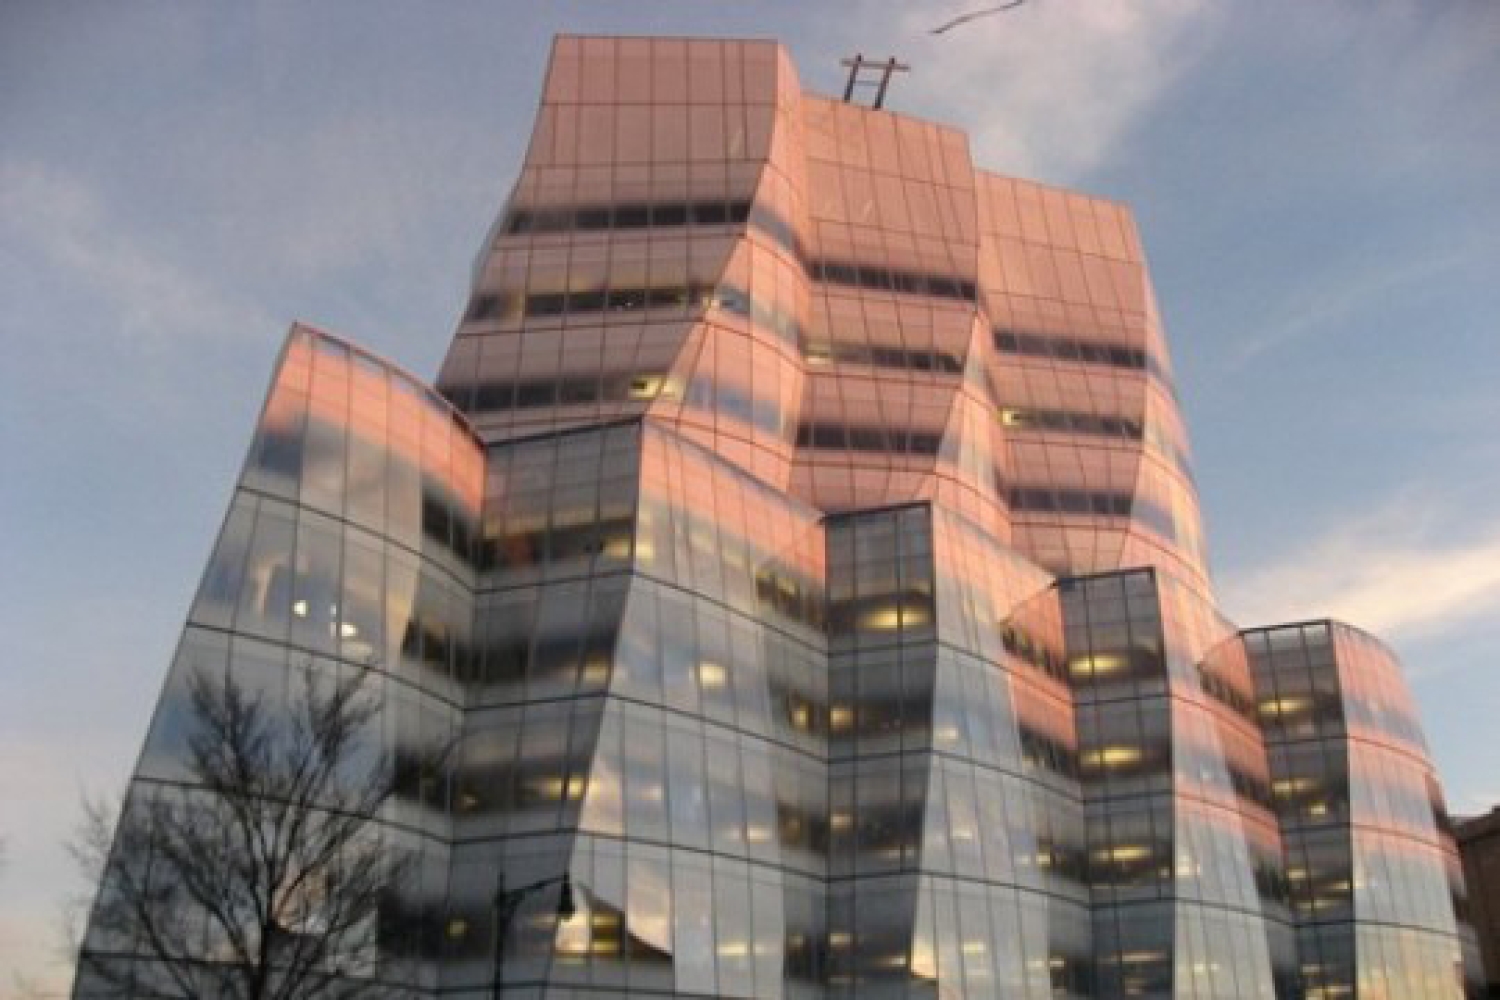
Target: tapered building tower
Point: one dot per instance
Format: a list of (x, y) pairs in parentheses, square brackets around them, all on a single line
[(798, 559)]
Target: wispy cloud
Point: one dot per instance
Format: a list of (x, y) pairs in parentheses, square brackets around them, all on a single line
[(1391, 572), (1047, 89), (63, 227), (1334, 304)]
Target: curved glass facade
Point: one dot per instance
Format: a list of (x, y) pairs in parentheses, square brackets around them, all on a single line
[(1371, 861), (799, 561), (348, 548)]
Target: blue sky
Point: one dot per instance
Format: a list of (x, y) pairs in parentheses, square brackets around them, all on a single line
[(1318, 187)]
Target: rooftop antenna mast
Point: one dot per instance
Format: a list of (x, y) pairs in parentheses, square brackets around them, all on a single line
[(861, 71)]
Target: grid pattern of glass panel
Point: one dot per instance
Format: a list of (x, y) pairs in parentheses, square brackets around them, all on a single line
[(807, 575), (348, 549), (1368, 865)]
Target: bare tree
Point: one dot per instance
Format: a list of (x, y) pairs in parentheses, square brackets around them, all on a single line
[(262, 875)]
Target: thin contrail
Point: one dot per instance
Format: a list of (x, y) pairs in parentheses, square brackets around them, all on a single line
[(976, 14)]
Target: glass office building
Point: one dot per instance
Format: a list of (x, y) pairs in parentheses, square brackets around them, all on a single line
[(798, 552)]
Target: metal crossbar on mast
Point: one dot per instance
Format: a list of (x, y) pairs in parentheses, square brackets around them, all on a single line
[(862, 73)]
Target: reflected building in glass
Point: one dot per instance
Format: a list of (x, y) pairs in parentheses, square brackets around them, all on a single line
[(798, 553)]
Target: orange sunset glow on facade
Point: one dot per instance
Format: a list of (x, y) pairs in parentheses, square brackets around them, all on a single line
[(796, 567)]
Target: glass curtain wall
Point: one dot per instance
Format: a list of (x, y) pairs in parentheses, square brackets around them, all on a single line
[(804, 595), (1368, 865), (348, 552)]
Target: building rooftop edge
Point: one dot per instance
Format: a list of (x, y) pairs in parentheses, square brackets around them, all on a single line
[(964, 131)]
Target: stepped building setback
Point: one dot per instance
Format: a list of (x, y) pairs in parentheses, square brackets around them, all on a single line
[(799, 555)]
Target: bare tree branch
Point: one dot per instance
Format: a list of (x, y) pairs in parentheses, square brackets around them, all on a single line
[(263, 874)]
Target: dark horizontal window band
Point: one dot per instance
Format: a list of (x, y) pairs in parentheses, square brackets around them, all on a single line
[(1073, 422), (1089, 352), (1102, 504), (503, 395), (1038, 345), (881, 357), (539, 305), (520, 394), (627, 216), (656, 215), (660, 215), (867, 438), (1070, 501), (677, 300), (888, 280)]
